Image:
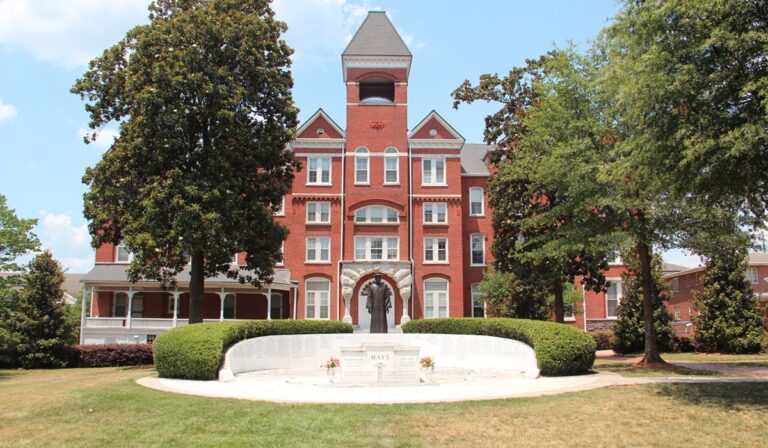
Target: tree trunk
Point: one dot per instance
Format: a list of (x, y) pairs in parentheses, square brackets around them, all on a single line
[(196, 289), (559, 306), (651, 354)]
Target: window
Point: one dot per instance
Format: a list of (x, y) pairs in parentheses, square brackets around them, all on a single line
[(318, 212), (229, 306), (151, 338), (276, 306), (476, 201), (319, 172), (120, 305), (377, 91), (433, 171), (478, 249), (362, 165), (234, 259), (677, 313), (122, 254), (391, 166), (751, 275), (675, 285), (435, 298), (280, 211), (614, 257), (317, 296), (318, 249), (612, 298), (377, 248), (137, 305), (282, 254), (376, 214), (478, 301), (435, 213), (435, 250), (569, 311), (171, 305)]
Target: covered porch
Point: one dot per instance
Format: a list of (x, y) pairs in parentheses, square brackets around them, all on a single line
[(125, 312)]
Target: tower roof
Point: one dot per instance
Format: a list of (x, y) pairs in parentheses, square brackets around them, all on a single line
[(376, 37)]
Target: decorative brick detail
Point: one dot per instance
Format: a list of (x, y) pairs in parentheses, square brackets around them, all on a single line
[(600, 325)]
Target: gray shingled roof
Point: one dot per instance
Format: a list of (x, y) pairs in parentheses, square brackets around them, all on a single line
[(473, 159), (669, 268), (115, 273), (376, 37)]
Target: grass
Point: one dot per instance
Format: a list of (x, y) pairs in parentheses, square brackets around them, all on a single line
[(624, 364), (625, 368), (104, 407)]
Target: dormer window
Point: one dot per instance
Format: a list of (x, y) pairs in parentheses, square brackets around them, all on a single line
[(377, 91)]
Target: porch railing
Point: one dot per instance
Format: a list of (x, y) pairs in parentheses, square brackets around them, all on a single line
[(141, 322)]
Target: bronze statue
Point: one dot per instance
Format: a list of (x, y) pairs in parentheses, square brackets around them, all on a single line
[(378, 303)]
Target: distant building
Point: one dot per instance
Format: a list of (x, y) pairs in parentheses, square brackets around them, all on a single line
[(72, 286)]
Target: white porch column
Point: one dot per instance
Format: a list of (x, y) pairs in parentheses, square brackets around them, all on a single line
[(176, 295), (295, 302), (222, 296), (130, 307), (269, 303), (82, 316), (93, 297)]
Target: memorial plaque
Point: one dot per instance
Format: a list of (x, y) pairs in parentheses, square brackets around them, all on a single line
[(382, 363)]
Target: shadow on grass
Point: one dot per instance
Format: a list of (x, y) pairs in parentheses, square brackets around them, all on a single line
[(725, 395)]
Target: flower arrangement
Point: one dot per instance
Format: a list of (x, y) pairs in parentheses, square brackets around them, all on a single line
[(332, 363), (427, 362)]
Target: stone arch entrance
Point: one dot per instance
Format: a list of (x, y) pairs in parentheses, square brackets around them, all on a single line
[(363, 318), (398, 271)]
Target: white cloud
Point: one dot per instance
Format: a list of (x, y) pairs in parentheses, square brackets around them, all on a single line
[(69, 242), (69, 33), (7, 111), (104, 138)]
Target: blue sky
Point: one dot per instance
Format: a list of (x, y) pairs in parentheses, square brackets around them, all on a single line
[(46, 44)]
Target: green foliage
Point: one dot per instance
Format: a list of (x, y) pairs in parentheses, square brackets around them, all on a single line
[(603, 341), (728, 318), (506, 296), (629, 329), (561, 350), (39, 330), (16, 239), (8, 355), (195, 351), (203, 97)]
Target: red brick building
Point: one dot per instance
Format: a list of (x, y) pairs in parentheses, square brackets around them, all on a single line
[(375, 197)]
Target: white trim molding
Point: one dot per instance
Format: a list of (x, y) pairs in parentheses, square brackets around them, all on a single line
[(435, 143)]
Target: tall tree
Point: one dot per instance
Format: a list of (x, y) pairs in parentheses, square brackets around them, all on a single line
[(16, 239), (202, 95), (524, 243), (507, 296), (39, 330), (629, 328), (728, 318)]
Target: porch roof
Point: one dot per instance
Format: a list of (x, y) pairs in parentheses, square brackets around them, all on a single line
[(117, 274)]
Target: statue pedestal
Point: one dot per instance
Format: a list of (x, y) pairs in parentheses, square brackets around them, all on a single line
[(380, 363)]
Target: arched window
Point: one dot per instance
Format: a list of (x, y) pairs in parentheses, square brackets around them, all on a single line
[(478, 301), (377, 91), (276, 306), (362, 166), (435, 298), (229, 306), (391, 166), (476, 201), (317, 298), (120, 305), (377, 214)]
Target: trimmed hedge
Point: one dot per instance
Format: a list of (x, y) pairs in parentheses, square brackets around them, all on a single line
[(561, 350), (603, 341), (195, 352), (113, 355)]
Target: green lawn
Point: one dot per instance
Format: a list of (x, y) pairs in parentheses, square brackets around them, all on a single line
[(104, 407), (624, 364)]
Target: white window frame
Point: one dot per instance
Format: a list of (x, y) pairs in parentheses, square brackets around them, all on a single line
[(316, 242), (752, 279), (385, 243), (482, 201), (114, 303), (136, 307), (280, 210), (614, 258), (432, 244), (317, 218), (429, 312), (384, 212), (674, 284), (121, 246), (677, 313), (320, 160), (472, 239), (477, 295), (433, 171), (619, 295), (433, 208), (317, 299), (282, 252), (363, 155), (392, 155), (171, 304)]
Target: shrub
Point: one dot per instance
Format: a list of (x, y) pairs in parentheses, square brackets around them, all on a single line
[(195, 351), (681, 344), (603, 341), (560, 349), (114, 355)]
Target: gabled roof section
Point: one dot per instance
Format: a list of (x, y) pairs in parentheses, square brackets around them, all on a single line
[(433, 120), (376, 37), (320, 120)]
